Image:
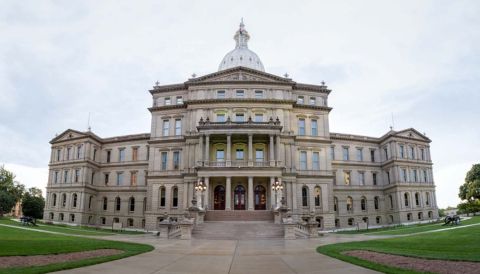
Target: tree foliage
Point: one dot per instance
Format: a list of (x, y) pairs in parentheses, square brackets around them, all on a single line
[(33, 203), (8, 184), (470, 191), (7, 202)]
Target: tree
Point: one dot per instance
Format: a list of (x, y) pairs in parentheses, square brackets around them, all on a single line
[(33, 203), (468, 207), (470, 190), (11, 187), (7, 201)]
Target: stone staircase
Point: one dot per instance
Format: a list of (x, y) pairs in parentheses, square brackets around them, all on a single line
[(238, 230), (239, 215)]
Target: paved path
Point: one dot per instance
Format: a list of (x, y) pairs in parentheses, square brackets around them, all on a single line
[(229, 256)]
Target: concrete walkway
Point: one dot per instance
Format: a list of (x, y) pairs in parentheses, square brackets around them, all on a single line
[(229, 256)]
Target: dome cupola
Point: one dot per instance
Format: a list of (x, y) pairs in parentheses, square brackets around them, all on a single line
[(241, 55)]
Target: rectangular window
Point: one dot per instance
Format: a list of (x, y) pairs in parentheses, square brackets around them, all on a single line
[(220, 94), (240, 94), (135, 154), (361, 178), (239, 117), (388, 177), (258, 117), (346, 155), (412, 152), (402, 151), (65, 176), (166, 127), (314, 128), (178, 127), (107, 178), (259, 155), (92, 179), (425, 176), (301, 127), (372, 155), (239, 154), (359, 154), (300, 100), (168, 101), (55, 180), (312, 101), (59, 151), (415, 178), (220, 154), (422, 154), (385, 150), (164, 160), (346, 177), (94, 154), (77, 175), (332, 153), (79, 151), (259, 94), (121, 154), (176, 160), (374, 178), (303, 160), (119, 178), (109, 154), (220, 117), (133, 178), (404, 175), (69, 151), (316, 161), (179, 100)]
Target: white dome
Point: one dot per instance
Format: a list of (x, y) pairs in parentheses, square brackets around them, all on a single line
[(241, 55)]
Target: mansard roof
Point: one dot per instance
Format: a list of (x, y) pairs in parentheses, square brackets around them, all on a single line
[(71, 134), (238, 75)]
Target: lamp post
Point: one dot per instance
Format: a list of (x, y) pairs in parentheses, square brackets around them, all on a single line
[(276, 187), (200, 186)]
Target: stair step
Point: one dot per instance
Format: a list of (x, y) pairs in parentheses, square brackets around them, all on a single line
[(228, 230), (239, 215)]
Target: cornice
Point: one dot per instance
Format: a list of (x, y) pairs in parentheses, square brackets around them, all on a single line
[(166, 88), (239, 100), (328, 109), (321, 88), (160, 108)]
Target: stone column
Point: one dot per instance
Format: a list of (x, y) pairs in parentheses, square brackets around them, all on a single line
[(294, 196), (207, 193), (185, 195), (250, 193), (272, 193), (277, 143), (293, 154), (207, 150), (250, 150), (229, 150), (228, 194), (200, 144), (272, 152)]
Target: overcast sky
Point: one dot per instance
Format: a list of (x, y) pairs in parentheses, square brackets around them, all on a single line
[(419, 60)]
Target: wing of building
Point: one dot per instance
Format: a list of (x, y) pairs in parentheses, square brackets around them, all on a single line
[(239, 131)]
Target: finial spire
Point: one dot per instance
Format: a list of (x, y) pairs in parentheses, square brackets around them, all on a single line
[(242, 36)]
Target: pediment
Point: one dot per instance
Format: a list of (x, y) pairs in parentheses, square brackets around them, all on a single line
[(413, 134), (67, 135), (240, 74)]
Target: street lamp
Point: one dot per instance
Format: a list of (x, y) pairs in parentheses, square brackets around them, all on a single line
[(276, 187), (200, 186)]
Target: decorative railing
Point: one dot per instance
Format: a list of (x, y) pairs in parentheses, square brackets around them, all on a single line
[(238, 164)]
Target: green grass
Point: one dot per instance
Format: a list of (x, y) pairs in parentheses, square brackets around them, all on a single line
[(76, 230), (458, 244), (23, 242)]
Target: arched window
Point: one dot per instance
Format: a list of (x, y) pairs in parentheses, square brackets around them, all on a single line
[(64, 200), (304, 196), (420, 215), (349, 204), (350, 221), (378, 219), (409, 216), (427, 198), (54, 199), (51, 215), (144, 204), (61, 217), (161, 195), (319, 222), (391, 201), (337, 222), (175, 196), (130, 222), (363, 203), (74, 200), (131, 204), (417, 199), (105, 203), (405, 197), (335, 204), (118, 204), (430, 215), (375, 202), (318, 194)]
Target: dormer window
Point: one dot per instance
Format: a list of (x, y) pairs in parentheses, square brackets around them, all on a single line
[(300, 100), (240, 93), (220, 94), (259, 94), (168, 101)]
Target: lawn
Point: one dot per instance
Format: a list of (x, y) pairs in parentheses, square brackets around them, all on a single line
[(77, 230), (456, 244), (23, 242)]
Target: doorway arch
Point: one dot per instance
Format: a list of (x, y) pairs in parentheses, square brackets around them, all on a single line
[(260, 197), (219, 198), (239, 198)]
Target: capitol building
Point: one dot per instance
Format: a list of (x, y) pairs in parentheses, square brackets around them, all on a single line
[(240, 143)]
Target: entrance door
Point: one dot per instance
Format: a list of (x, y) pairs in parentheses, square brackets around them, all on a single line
[(219, 198), (239, 198), (260, 198)]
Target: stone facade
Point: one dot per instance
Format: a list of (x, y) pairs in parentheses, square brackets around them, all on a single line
[(239, 131)]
